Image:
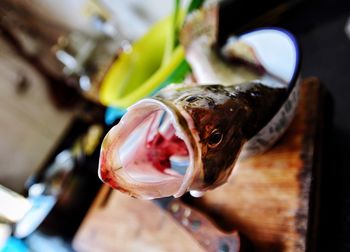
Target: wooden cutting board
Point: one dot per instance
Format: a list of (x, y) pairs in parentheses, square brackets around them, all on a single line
[(117, 222), (270, 199)]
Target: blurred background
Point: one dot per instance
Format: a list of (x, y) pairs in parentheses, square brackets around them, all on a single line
[(53, 58)]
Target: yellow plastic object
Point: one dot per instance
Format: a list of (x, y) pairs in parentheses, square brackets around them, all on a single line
[(136, 74)]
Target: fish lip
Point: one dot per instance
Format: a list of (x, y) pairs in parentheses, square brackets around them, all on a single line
[(192, 141), (119, 179)]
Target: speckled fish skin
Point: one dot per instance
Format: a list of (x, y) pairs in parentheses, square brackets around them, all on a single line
[(233, 64), (224, 118)]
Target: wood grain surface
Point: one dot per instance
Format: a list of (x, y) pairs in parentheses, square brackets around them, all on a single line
[(267, 199), (118, 222)]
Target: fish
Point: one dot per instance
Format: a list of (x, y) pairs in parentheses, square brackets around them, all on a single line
[(185, 138), (188, 137), (234, 63)]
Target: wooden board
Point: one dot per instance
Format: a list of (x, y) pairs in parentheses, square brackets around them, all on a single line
[(117, 222), (268, 196), (267, 199)]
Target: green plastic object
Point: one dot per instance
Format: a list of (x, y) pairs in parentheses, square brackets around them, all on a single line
[(140, 72)]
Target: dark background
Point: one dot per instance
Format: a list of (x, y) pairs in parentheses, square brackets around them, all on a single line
[(320, 28)]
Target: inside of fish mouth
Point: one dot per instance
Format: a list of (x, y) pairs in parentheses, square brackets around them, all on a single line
[(155, 150)]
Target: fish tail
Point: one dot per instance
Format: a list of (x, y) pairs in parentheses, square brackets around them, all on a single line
[(201, 23)]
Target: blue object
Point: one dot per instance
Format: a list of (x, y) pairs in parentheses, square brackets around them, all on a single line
[(14, 245), (112, 114)]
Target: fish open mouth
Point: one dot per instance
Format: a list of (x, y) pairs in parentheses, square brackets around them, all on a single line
[(149, 154)]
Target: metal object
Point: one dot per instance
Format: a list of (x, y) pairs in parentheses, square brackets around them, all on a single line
[(200, 227), (43, 195), (86, 58)]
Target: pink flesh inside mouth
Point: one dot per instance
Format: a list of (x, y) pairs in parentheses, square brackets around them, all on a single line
[(147, 153)]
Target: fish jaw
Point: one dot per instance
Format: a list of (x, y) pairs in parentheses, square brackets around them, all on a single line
[(124, 163)]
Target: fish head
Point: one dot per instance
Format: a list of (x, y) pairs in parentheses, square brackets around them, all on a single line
[(184, 138), (150, 153), (215, 119)]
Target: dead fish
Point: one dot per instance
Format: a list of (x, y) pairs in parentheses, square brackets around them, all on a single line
[(187, 137), (234, 63)]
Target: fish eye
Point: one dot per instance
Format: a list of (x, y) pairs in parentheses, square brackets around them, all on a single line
[(192, 98), (215, 138)]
